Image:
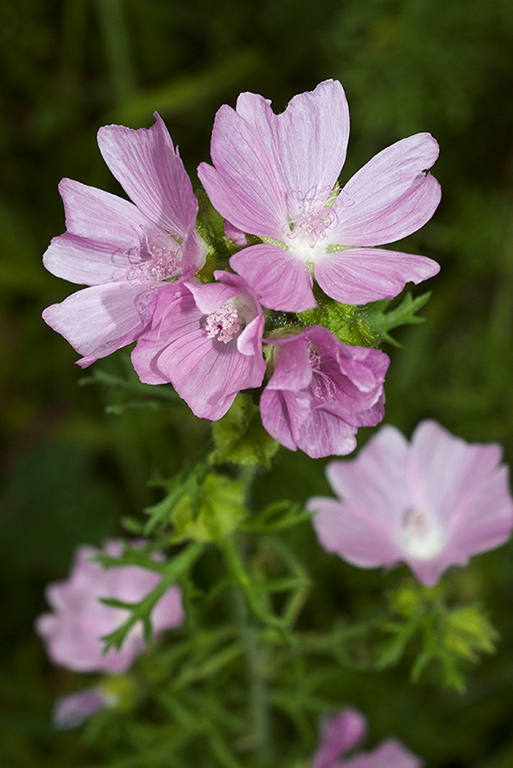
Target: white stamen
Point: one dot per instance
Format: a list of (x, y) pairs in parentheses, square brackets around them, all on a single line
[(223, 324), (421, 535)]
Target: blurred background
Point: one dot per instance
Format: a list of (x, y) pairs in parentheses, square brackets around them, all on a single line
[(70, 470)]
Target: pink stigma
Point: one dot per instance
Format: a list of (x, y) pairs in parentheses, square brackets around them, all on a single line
[(223, 324)]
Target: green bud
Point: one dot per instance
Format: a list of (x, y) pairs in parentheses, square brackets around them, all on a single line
[(120, 691), (467, 631), (240, 437), (211, 514)]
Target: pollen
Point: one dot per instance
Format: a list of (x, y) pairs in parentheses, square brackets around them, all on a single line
[(223, 324)]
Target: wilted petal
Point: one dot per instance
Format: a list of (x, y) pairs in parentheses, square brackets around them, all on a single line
[(321, 391), (151, 172), (281, 280), (361, 275)]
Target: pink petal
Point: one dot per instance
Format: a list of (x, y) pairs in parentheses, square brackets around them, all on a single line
[(151, 172), (360, 275), (391, 196), (389, 754), (345, 529), (98, 320), (278, 415), (308, 140), (339, 734), (375, 481), (245, 186), (103, 238), (206, 373), (468, 492), (280, 279), (293, 371), (324, 433)]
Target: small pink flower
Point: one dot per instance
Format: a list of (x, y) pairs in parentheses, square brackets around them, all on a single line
[(431, 503), (321, 391), (124, 251), (345, 731), (206, 339), (73, 710), (72, 632), (275, 176)]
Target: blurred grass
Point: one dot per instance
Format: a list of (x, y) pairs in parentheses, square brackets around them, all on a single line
[(69, 471)]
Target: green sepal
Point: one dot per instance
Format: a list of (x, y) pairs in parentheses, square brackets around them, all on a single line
[(210, 227), (240, 437), (213, 513), (345, 321)]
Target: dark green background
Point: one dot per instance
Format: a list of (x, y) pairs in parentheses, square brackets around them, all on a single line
[(69, 471)]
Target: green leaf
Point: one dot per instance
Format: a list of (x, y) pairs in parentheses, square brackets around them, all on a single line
[(382, 321)]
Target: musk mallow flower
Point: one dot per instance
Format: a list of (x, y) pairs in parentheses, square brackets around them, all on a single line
[(206, 339), (321, 391), (346, 730), (123, 251), (73, 630), (275, 176), (430, 503)]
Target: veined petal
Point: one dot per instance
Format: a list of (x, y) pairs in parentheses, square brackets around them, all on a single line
[(391, 196), (245, 185), (324, 433), (151, 172), (98, 320), (101, 228), (88, 262), (308, 140), (282, 280), (278, 415), (205, 372), (293, 372), (360, 275)]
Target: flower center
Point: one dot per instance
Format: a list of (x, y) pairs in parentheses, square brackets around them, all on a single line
[(164, 258), (223, 324), (421, 535), (312, 227)]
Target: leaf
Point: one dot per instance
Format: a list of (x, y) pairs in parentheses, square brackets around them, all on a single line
[(404, 314)]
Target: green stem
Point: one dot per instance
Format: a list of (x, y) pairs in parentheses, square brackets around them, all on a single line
[(258, 698)]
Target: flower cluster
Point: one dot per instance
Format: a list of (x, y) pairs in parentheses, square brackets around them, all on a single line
[(275, 179), (431, 503), (341, 733)]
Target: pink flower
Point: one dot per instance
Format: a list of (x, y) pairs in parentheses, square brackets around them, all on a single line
[(73, 710), (321, 391), (206, 339), (124, 251), (346, 730), (72, 632), (275, 176), (431, 503)]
